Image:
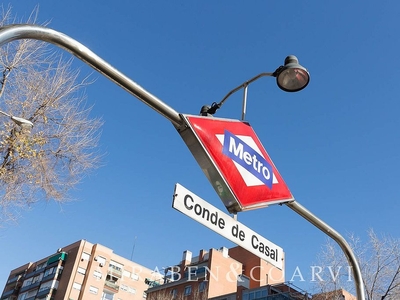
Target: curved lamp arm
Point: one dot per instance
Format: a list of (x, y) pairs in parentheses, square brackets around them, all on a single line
[(20, 31), (291, 77), (243, 85)]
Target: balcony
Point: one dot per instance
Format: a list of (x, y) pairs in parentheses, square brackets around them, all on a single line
[(14, 279), (43, 293), (28, 287), (113, 286), (9, 293), (50, 276), (115, 271), (33, 273), (243, 281)]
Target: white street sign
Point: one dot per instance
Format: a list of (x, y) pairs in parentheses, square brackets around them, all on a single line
[(201, 211)]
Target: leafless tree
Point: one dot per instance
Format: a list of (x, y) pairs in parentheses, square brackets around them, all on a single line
[(46, 161), (379, 261)]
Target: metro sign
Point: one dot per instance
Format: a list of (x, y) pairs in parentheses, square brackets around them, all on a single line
[(235, 162)]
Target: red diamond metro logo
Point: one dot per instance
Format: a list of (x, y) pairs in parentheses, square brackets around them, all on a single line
[(235, 162)]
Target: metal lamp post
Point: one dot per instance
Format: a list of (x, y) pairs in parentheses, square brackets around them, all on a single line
[(290, 77)]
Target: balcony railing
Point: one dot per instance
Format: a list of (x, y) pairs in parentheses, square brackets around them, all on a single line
[(45, 292), (9, 293), (112, 285), (31, 286), (14, 279), (114, 271)]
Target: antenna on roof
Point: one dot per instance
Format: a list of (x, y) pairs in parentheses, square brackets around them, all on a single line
[(133, 247)]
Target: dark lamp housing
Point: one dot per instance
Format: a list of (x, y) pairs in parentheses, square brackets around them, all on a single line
[(292, 77)]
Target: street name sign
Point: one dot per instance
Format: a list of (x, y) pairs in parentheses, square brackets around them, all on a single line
[(203, 212), (235, 162)]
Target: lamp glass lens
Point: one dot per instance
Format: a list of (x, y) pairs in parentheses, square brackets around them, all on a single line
[(293, 79)]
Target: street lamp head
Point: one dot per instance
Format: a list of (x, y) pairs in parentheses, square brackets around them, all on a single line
[(292, 77), (24, 123)]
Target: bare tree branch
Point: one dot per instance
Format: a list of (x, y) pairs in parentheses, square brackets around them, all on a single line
[(379, 260), (39, 85)]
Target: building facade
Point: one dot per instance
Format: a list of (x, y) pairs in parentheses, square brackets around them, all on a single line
[(215, 273), (339, 294), (89, 271), (81, 270), (278, 291)]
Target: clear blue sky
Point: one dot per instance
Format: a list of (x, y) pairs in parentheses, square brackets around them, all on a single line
[(336, 143)]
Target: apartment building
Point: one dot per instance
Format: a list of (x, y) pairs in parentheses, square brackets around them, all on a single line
[(229, 274), (214, 273), (340, 294), (278, 291), (81, 270), (89, 271)]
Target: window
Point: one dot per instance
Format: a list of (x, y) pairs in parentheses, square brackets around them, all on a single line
[(93, 290), (111, 278), (123, 287), (41, 266), (174, 293), (32, 280), (144, 295), (116, 266), (15, 278), (27, 295), (188, 290), (85, 256), (49, 271), (128, 289), (202, 286), (46, 286), (97, 274), (192, 271), (135, 277), (31, 293), (37, 278), (126, 274), (81, 270), (254, 295), (101, 260), (107, 296), (77, 286), (27, 282)]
